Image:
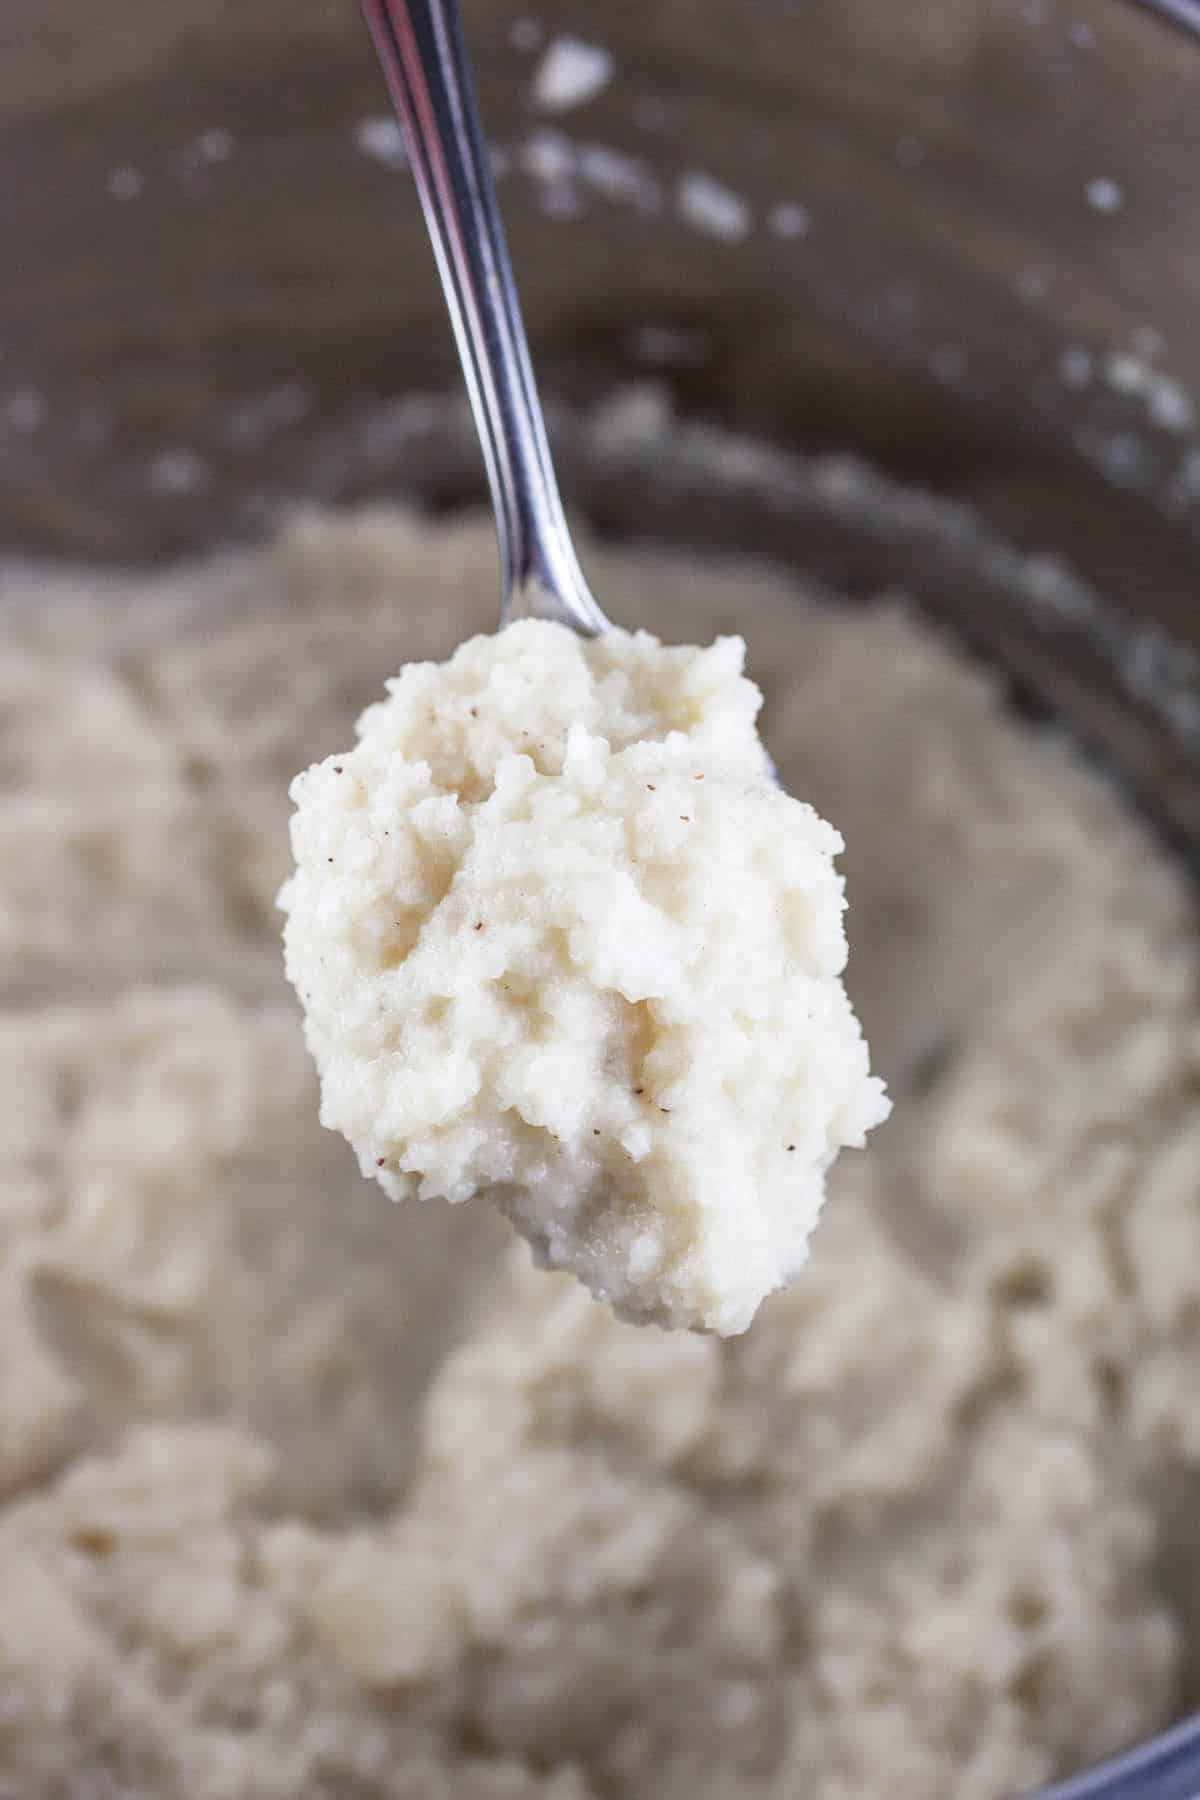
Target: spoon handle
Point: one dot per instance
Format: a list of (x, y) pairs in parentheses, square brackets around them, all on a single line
[(1166, 1768), (420, 45), (1185, 13)]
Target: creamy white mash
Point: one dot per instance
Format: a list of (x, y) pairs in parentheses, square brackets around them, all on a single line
[(562, 942)]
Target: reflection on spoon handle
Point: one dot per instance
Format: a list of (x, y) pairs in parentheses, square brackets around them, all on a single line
[(1185, 13), (1167, 1768), (420, 45)]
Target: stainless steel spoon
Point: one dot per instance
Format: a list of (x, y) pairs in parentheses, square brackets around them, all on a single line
[(420, 44)]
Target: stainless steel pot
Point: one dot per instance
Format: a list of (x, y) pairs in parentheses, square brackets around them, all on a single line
[(916, 291)]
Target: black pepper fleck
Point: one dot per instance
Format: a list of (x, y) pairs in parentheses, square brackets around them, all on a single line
[(791, 1146)]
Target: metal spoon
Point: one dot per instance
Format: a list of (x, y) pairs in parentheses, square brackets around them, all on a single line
[(420, 45)]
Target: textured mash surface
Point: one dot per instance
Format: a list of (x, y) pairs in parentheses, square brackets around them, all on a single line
[(305, 1494), (561, 942)]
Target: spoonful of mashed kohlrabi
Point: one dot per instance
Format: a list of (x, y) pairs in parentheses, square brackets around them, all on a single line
[(562, 943)]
